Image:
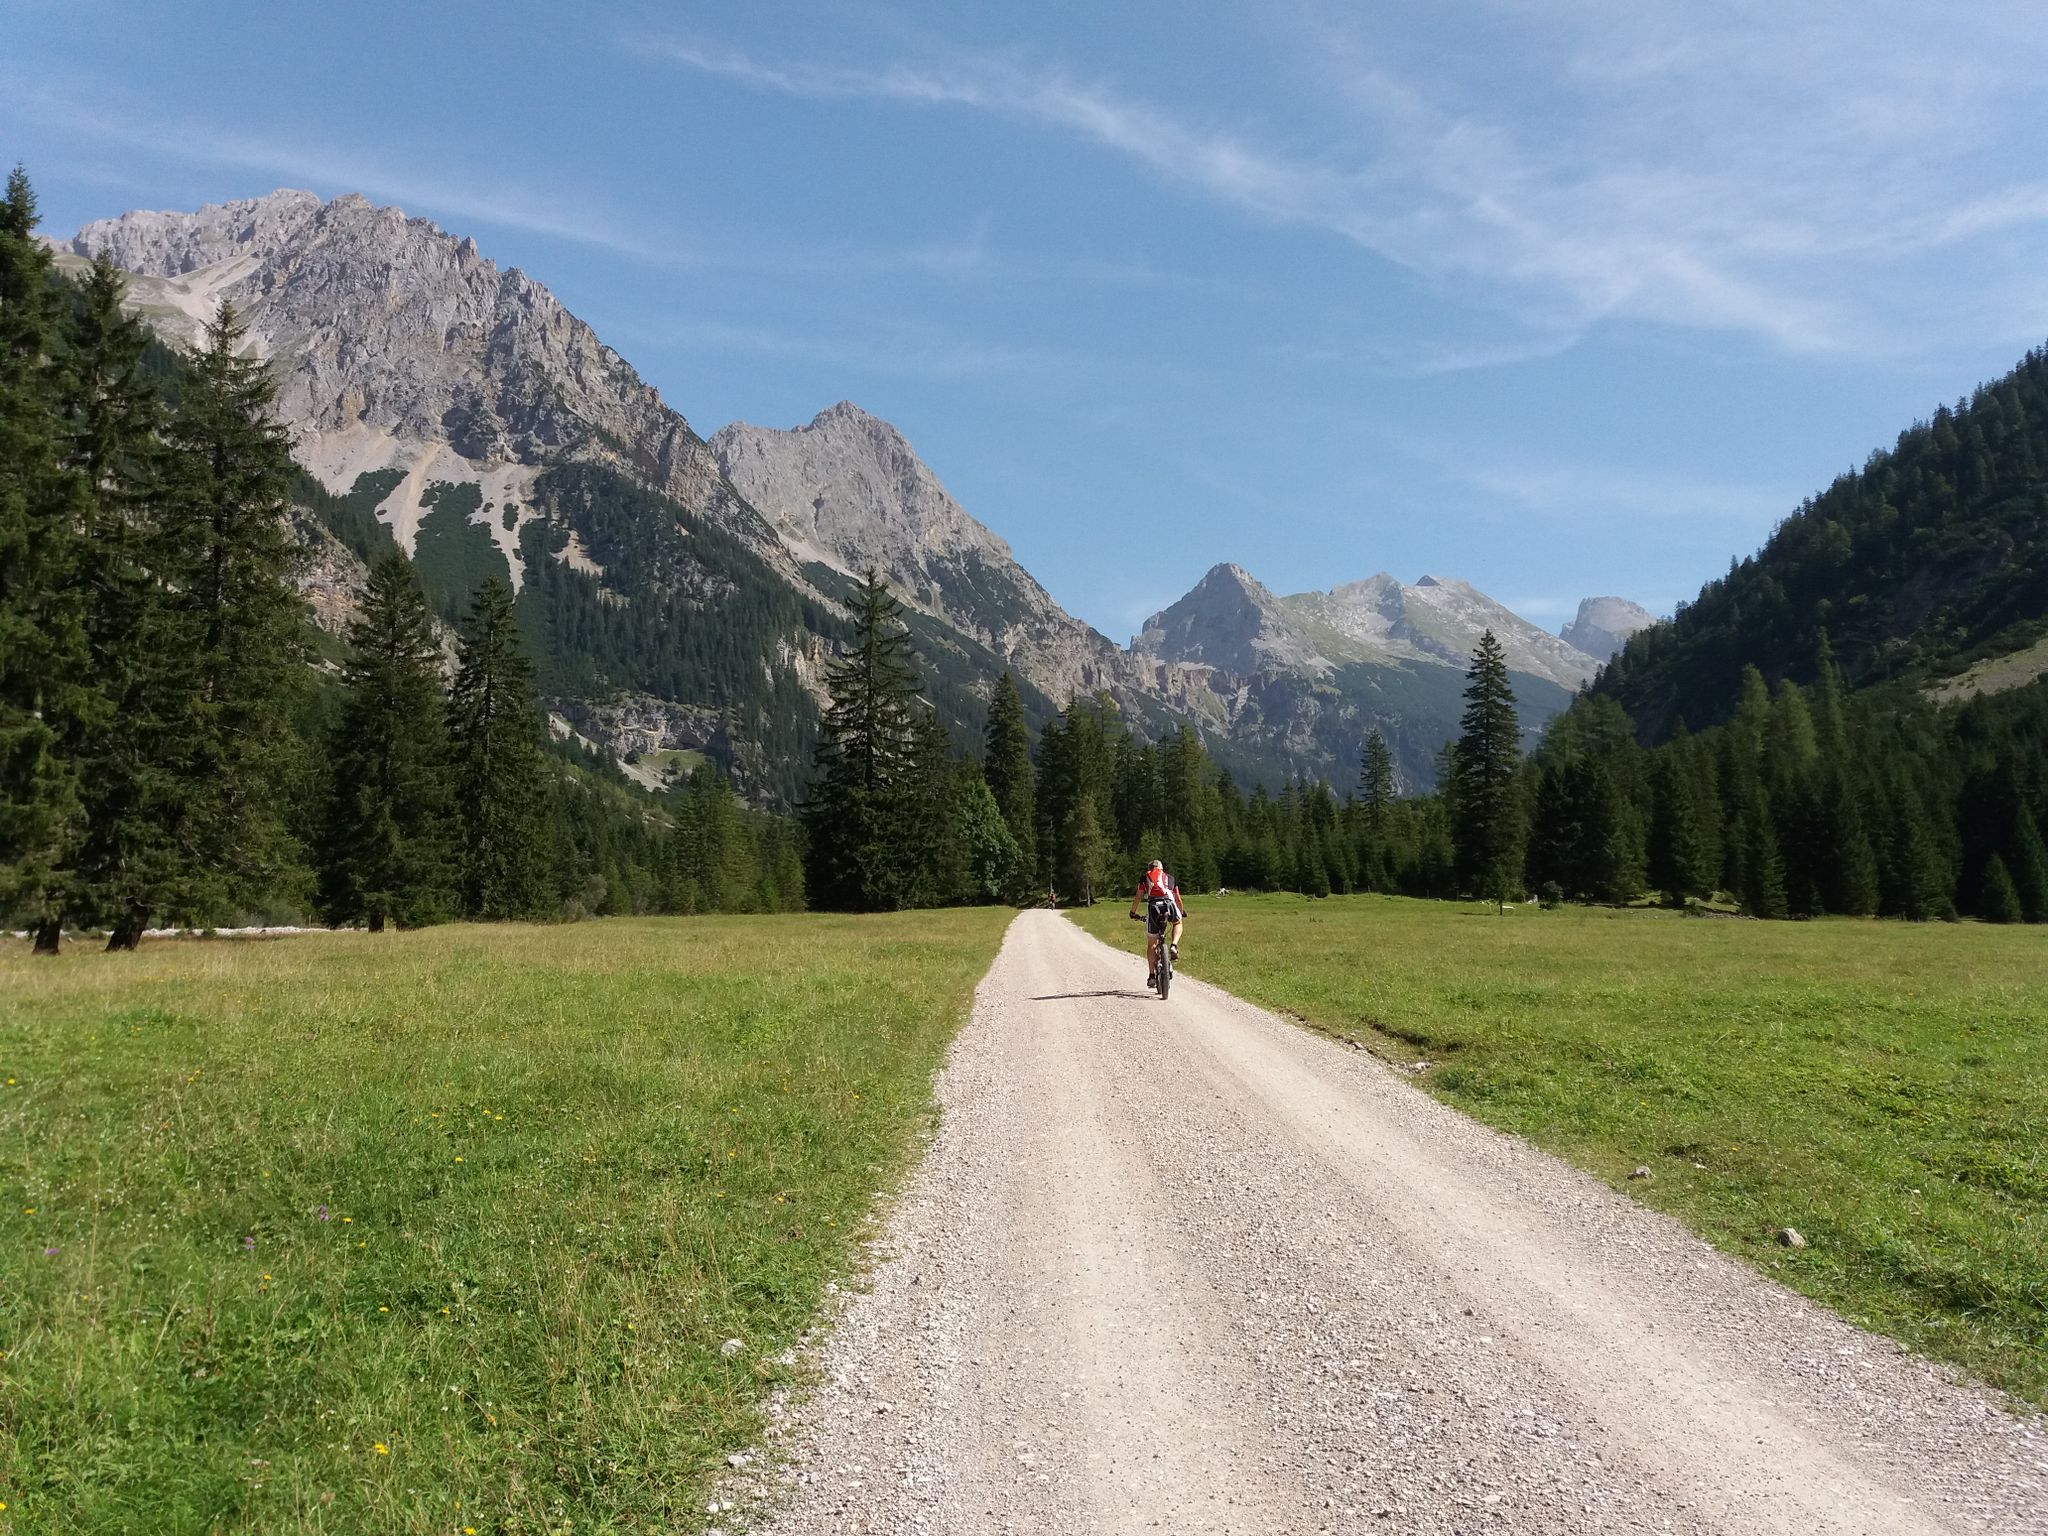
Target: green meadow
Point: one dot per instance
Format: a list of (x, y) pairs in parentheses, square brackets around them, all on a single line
[(440, 1231), (1881, 1088)]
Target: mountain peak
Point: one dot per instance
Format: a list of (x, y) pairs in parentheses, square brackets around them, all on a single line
[(1603, 625), (846, 410), (1228, 575)]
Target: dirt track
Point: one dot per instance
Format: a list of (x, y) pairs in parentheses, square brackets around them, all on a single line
[(1183, 1267)]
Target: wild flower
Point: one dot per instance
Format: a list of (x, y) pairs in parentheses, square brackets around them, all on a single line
[(322, 1213), (381, 1448)]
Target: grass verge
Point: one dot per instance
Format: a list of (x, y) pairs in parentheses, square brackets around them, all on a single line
[(1882, 1088), (442, 1231)]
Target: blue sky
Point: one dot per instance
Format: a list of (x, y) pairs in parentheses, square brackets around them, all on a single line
[(1564, 299)]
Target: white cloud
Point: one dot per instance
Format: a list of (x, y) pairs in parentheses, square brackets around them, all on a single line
[(1742, 167)]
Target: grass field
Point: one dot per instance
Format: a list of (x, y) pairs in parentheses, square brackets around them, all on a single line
[(442, 1231), (1882, 1088)]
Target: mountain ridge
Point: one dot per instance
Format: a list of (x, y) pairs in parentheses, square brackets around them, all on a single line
[(448, 400)]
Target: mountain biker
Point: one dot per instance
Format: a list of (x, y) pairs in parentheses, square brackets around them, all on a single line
[(1157, 900)]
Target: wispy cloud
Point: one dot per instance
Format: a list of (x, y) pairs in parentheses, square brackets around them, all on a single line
[(1591, 494), (882, 349), (134, 125), (1741, 172)]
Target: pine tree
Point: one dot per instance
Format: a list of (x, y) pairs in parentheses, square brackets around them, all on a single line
[(2029, 866), (1375, 812), (499, 783), (232, 626), (1998, 902), (928, 832), (1916, 880), (1486, 828), (386, 853), (1006, 764), (863, 761), (1684, 862), (1763, 869), (43, 644), (113, 420), (1085, 852)]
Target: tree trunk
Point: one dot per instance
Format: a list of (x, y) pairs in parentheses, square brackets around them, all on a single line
[(49, 935), (376, 922), (126, 935)]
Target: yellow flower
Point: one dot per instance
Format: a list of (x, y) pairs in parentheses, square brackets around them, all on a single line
[(346, 1220), (383, 1309), (381, 1448), (629, 1327), (444, 1311), (28, 1210), (458, 1159)]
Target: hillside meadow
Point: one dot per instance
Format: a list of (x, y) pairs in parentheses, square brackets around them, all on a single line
[(1881, 1088), (440, 1231)]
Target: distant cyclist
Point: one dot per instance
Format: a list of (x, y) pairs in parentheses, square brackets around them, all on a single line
[(1157, 900)]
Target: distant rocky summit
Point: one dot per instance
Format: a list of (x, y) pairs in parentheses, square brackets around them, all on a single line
[(848, 491), (1604, 624)]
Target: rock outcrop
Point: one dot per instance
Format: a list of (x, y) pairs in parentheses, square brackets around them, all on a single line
[(1603, 625), (848, 491), (399, 345)]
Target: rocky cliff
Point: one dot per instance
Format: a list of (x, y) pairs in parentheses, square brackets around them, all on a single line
[(1603, 625), (849, 492), (400, 346)]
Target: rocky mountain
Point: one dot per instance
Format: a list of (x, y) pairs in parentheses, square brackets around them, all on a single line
[(681, 592), (401, 347), (1603, 625), (847, 491), (1307, 675)]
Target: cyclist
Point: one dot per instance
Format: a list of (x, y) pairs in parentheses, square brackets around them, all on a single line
[(1157, 900)]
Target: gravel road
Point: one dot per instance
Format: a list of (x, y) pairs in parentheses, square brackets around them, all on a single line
[(1183, 1267)]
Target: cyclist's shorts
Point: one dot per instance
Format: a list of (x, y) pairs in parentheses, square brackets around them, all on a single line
[(1159, 915)]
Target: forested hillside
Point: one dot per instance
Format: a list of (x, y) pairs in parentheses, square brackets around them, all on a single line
[(1827, 776), (1931, 555)]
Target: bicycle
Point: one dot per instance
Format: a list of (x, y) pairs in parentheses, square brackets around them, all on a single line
[(1161, 977)]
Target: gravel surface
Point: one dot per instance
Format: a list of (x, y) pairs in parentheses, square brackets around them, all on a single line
[(1184, 1267)]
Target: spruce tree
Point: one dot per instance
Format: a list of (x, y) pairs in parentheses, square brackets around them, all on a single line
[(1763, 869), (387, 854), (1375, 812), (863, 763), (503, 852), (113, 420), (2029, 867), (1683, 861), (1006, 764), (1486, 829), (43, 645), (232, 622), (1998, 902), (928, 832)]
